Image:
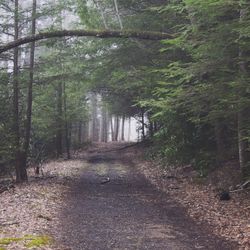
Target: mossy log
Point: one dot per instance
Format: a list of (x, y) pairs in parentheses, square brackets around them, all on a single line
[(145, 35)]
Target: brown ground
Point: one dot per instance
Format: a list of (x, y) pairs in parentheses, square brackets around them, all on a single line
[(229, 219), (79, 212)]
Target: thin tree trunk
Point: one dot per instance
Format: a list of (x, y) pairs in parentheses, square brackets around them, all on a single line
[(59, 127), (104, 126), (66, 125), (151, 128), (243, 144), (143, 124), (21, 172), (123, 128), (80, 133), (244, 112), (118, 14), (117, 127), (129, 128), (30, 87), (95, 131), (112, 129), (16, 88), (107, 126), (155, 126), (69, 137)]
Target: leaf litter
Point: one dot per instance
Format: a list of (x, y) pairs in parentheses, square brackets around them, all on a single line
[(29, 212)]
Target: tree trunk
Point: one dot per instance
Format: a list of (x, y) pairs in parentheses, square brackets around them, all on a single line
[(143, 124), (104, 126), (30, 89), (112, 128), (66, 125), (244, 154), (21, 173), (244, 111), (107, 126), (123, 128), (95, 130), (80, 133), (117, 127), (151, 129), (155, 126), (129, 128), (151, 125), (16, 95), (118, 14), (59, 126)]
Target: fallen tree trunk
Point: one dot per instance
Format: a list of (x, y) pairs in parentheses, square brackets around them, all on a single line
[(145, 35)]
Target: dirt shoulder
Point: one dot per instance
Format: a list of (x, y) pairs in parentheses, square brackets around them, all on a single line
[(29, 211), (229, 219)]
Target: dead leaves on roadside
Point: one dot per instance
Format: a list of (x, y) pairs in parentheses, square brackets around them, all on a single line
[(32, 208), (230, 219)]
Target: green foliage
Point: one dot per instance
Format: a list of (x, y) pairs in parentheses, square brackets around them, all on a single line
[(88, 16), (190, 88), (7, 241), (186, 85), (6, 138), (67, 73)]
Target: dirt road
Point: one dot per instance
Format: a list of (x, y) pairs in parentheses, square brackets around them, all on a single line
[(127, 212)]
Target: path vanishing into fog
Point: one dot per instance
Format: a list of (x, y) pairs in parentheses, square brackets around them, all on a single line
[(127, 212)]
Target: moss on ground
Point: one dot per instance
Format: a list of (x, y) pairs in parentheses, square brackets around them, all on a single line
[(7, 241), (31, 241), (39, 241)]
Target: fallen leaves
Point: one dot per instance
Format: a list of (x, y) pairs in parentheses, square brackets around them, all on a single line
[(230, 219), (32, 209)]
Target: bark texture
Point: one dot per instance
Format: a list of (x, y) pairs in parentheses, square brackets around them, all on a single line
[(30, 89), (20, 163)]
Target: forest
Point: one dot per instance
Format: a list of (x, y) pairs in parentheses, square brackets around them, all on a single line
[(189, 91), (173, 75)]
